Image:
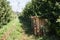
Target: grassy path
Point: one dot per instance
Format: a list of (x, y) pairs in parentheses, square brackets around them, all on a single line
[(6, 34), (8, 29), (14, 31), (26, 37)]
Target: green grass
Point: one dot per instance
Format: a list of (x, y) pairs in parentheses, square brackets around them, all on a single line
[(16, 34), (9, 25)]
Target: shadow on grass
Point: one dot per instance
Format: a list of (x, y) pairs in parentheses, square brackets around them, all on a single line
[(26, 24)]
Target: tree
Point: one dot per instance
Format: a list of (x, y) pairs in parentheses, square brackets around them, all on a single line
[(5, 12), (49, 9)]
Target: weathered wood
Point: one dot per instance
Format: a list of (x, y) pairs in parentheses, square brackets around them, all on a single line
[(36, 24)]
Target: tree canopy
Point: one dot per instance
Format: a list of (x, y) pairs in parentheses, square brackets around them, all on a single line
[(5, 12), (49, 9)]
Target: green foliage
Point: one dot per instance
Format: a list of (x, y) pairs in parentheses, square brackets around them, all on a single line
[(42, 8), (49, 9), (5, 12)]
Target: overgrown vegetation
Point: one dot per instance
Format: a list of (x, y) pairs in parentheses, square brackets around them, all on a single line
[(47, 9), (5, 13)]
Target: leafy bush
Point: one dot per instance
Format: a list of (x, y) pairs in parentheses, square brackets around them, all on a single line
[(5, 12)]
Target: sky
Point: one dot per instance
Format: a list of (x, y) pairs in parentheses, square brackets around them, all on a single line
[(18, 5)]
